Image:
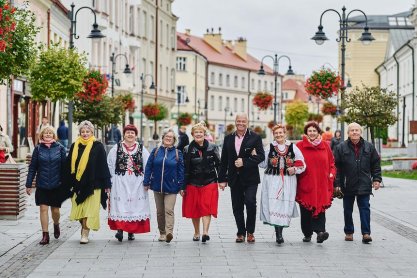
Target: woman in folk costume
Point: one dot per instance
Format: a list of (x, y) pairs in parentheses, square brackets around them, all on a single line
[(89, 179), (279, 184), (315, 185), (129, 200), (200, 191)]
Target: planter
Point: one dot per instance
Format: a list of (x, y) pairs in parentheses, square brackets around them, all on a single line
[(155, 112), (323, 83), (329, 109), (262, 100), (94, 87), (184, 119)]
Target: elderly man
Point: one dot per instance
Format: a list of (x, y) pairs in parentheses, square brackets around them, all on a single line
[(242, 152), (358, 171)]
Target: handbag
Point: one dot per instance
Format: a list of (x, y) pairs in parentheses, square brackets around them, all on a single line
[(2, 156)]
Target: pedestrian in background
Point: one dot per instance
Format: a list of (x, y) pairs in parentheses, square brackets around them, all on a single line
[(183, 139), (6, 147), (129, 201), (44, 123), (62, 133), (200, 191), (336, 140), (279, 184), (327, 135), (164, 174), (315, 184), (89, 179), (241, 153), (358, 171), (48, 165)]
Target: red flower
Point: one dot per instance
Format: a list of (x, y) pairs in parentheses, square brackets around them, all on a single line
[(262, 100)]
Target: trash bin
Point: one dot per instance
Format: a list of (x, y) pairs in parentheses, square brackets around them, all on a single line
[(13, 198)]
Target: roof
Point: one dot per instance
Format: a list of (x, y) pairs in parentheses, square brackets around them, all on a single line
[(298, 87), (397, 39), (60, 6), (226, 57), (393, 21)]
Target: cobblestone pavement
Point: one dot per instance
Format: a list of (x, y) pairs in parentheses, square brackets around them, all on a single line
[(392, 253)]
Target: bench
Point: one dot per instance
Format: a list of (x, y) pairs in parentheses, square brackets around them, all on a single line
[(403, 163)]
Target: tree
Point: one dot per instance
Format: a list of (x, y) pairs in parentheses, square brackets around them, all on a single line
[(296, 113), (21, 48), (370, 106)]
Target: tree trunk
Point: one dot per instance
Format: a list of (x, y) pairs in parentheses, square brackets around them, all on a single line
[(53, 113), (372, 135)]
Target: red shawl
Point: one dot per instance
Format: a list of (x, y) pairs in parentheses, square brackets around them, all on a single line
[(314, 185)]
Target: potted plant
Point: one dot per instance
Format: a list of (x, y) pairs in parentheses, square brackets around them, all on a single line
[(184, 119), (155, 112), (329, 109), (262, 100), (324, 83)]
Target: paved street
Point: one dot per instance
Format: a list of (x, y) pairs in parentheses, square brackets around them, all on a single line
[(393, 252)]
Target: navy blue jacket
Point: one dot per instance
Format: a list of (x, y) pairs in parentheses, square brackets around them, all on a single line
[(165, 172), (47, 165), (62, 131)]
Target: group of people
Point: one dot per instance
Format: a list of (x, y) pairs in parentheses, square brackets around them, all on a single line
[(307, 173)]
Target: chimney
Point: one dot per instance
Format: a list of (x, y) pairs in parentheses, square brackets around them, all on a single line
[(187, 32), (229, 44), (214, 40), (240, 48)]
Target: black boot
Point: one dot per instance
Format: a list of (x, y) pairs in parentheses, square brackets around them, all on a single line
[(130, 236), (119, 235), (278, 233)]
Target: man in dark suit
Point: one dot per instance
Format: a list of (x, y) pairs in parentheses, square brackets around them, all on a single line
[(242, 152)]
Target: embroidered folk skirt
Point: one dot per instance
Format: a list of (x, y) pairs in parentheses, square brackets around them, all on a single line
[(200, 201)]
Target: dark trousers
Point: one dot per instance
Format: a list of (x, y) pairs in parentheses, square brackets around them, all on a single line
[(309, 224), (241, 196), (364, 213)]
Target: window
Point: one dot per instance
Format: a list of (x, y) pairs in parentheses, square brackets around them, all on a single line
[(220, 79), (259, 85), (242, 105), (265, 86), (235, 104), (252, 84), (172, 80), (161, 33), (243, 83), (235, 82), (227, 80), (145, 25), (181, 94), (212, 78), (181, 63), (212, 103), (228, 102), (131, 22), (152, 29), (272, 86), (220, 107)]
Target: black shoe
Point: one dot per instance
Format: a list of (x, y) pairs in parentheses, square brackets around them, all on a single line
[(278, 233), (130, 236), (119, 235), (204, 238), (307, 239), (322, 236)]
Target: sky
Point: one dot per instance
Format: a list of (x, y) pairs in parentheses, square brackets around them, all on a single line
[(279, 27)]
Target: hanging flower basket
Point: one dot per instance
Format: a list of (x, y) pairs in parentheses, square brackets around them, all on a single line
[(184, 119), (155, 112), (329, 109), (271, 124), (128, 102), (315, 117), (7, 25), (323, 83), (95, 86), (262, 100)]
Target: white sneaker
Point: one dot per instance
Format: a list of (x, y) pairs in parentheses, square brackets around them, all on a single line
[(162, 237), (84, 236)]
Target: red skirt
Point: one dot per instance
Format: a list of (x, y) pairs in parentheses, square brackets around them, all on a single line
[(134, 227), (200, 201)]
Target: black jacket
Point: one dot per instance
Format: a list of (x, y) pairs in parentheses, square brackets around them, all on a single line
[(355, 175), (249, 173), (47, 164), (201, 168), (182, 140)]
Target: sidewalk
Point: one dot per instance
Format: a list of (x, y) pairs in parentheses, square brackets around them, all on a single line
[(393, 252)]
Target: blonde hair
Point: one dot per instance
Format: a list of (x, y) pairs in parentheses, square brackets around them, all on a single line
[(200, 125), (278, 126), (45, 129), (86, 124), (168, 130)]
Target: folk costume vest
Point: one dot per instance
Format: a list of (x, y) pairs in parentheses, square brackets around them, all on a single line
[(124, 160)]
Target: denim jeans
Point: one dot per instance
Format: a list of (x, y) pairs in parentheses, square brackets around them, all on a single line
[(364, 212)]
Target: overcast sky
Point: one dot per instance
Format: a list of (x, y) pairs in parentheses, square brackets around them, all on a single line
[(277, 26)]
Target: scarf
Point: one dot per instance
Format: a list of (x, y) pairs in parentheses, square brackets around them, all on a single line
[(48, 142), (316, 141), (84, 157)]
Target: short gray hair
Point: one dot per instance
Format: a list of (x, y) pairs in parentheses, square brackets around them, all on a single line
[(354, 125), (86, 124), (168, 130)]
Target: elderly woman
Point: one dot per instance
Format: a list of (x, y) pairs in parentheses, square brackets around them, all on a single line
[(279, 185), (315, 185), (164, 174), (89, 178), (126, 162), (200, 190), (47, 164), (6, 146)]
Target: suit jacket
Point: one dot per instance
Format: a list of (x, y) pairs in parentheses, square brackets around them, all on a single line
[(249, 173)]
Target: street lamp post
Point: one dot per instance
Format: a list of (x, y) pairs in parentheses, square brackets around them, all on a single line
[(94, 34), (261, 71), (152, 87), (113, 65), (320, 38)]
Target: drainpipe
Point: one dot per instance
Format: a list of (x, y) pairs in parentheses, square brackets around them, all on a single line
[(249, 94), (414, 89), (398, 95)]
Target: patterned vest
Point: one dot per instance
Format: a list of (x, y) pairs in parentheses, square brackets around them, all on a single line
[(278, 161), (123, 159)]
